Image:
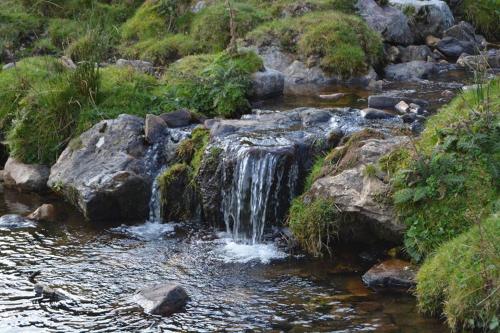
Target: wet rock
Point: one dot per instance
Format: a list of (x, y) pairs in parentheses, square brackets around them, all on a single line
[(409, 118), (332, 97), (181, 118), (415, 52), (370, 113), (51, 294), (8, 66), (140, 65), (392, 273), (417, 127), (490, 58), (46, 212), (425, 18), (431, 41), (107, 172), (26, 177), (389, 21), (366, 216), (453, 48), (390, 101), (267, 83), (402, 107), (14, 221), (410, 70), (154, 128), (162, 299)]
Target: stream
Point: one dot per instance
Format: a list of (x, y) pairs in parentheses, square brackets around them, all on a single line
[(234, 287)]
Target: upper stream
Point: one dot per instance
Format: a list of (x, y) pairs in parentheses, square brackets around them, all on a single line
[(234, 286)]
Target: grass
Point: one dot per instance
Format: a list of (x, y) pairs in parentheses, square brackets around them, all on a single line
[(462, 280), (345, 45), (483, 14)]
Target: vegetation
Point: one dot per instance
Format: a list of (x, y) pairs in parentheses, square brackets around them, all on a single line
[(345, 44), (462, 280), (483, 14)]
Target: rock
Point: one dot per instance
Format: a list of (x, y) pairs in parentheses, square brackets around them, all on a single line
[(108, 171), (370, 113), (390, 101), (464, 31), (67, 62), (162, 299), (415, 52), (1, 176), (415, 108), (14, 221), (8, 66), (299, 73), (51, 294), (140, 65), (431, 17), (490, 58), (431, 41), (448, 94), (26, 177), (154, 128), (453, 48), (274, 58), (410, 70), (267, 83), (409, 118), (389, 21), (359, 197), (334, 96), (181, 118), (392, 273), (436, 55), (402, 107), (46, 212), (393, 54)]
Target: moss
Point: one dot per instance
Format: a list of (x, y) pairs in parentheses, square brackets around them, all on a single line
[(210, 27), (370, 170), (345, 45), (314, 224), (462, 279)]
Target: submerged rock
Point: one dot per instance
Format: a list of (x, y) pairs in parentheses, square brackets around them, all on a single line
[(387, 101), (162, 299), (370, 113), (26, 177), (392, 273), (108, 171)]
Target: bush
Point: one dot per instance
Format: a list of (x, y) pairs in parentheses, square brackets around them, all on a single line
[(313, 224), (212, 85), (453, 179), (210, 27), (462, 279), (345, 44)]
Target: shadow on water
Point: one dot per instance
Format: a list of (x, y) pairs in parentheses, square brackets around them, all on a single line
[(100, 269)]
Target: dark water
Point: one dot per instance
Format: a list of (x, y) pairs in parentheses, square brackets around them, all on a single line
[(101, 268)]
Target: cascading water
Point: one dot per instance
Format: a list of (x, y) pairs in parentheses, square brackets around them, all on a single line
[(261, 185)]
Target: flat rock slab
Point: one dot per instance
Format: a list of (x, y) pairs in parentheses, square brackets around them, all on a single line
[(392, 273), (162, 299)]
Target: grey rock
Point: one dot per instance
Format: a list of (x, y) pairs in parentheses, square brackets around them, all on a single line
[(410, 70), (430, 17), (107, 172), (181, 118), (402, 107), (267, 83), (370, 113), (140, 65), (162, 299), (409, 118), (453, 48), (390, 101), (389, 21), (415, 52), (274, 58), (14, 221), (393, 274), (465, 32), (154, 128), (26, 177), (490, 58)]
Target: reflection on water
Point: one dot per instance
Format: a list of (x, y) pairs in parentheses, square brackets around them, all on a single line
[(231, 289)]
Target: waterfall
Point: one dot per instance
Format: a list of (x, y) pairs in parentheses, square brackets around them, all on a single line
[(261, 186)]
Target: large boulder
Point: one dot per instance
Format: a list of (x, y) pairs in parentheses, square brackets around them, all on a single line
[(453, 48), (430, 17), (389, 21), (412, 70), (392, 274), (26, 177), (267, 83), (274, 58), (465, 32), (162, 299), (107, 172), (360, 197)]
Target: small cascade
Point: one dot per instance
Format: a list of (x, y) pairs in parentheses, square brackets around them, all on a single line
[(261, 185), (155, 201)]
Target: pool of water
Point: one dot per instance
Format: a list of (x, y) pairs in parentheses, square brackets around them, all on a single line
[(232, 287)]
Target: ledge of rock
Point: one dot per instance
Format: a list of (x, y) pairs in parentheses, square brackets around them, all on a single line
[(267, 83), (108, 171), (26, 177), (392, 274), (162, 299)]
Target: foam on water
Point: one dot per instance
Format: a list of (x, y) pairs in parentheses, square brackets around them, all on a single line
[(234, 252), (147, 231)]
